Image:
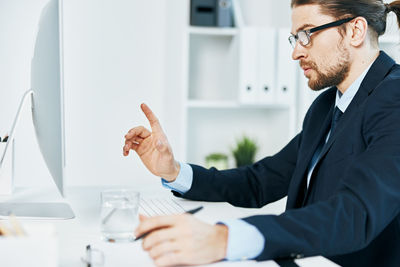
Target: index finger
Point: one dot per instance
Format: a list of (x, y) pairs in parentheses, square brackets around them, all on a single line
[(152, 223), (154, 123)]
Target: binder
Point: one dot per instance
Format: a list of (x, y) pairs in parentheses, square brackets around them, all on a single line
[(202, 13), (224, 13), (266, 65), (248, 64), (286, 67)]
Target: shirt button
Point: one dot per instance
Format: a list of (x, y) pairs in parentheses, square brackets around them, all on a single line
[(296, 256)]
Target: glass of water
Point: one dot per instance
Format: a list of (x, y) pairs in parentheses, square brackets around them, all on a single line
[(119, 214)]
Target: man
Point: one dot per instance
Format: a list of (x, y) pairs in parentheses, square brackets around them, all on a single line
[(341, 173)]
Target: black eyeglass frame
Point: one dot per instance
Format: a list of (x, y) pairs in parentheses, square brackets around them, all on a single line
[(294, 38)]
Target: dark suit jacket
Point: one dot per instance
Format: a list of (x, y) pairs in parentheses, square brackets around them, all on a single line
[(350, 212)]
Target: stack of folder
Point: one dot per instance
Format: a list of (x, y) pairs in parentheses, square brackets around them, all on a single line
[(33, 245)]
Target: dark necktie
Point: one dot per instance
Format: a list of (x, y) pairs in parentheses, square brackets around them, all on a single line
[(337, 113)]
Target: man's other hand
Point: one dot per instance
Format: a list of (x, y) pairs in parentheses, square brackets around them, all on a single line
[(182, 240)]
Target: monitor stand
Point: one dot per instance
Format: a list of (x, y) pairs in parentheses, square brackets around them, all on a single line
[(36, 210), (40, 203), (25, 208)]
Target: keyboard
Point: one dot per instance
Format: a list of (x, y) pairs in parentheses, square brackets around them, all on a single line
[(159, 206)]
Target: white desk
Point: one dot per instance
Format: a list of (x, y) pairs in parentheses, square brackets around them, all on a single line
[(75, 234)]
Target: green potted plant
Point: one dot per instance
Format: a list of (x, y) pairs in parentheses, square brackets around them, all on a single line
[(245, 151), (217, 160)]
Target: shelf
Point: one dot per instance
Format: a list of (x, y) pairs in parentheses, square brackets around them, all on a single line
[(213, 31), (212, 104), (217, 130), (201, 104)]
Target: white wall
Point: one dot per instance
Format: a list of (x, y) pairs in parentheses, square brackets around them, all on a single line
[(118, 53), (266, 13), (18, 25), (114, 60)]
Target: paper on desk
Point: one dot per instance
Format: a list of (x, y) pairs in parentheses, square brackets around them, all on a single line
[(132, 254), (123, 254), (315, 262), (243, 263), (39, 248)]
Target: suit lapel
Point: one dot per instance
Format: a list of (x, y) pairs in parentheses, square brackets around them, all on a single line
[(322, 122), (375, 75), (379, 69)]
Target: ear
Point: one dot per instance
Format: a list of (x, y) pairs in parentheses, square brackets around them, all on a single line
[(358, 31)]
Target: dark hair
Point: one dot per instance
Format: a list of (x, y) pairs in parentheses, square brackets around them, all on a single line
[(374, 11)]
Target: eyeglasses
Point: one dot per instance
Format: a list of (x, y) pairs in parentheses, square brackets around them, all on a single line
[(304, 36)]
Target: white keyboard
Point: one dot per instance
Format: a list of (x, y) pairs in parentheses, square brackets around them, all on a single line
[(159, 206)]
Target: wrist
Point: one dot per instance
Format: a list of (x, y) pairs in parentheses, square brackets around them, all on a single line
[(222, 233), (176, 169)]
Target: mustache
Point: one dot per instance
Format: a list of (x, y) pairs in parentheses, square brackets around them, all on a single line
[(309, 64)]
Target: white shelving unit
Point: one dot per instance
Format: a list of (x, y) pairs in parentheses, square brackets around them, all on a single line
[(214, 113), (205, 74), (213, 31)]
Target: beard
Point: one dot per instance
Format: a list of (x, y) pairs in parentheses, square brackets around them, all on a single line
[(334, 75)]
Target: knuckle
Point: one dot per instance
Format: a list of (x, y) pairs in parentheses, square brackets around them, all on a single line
[(153, 238), (156, 236), (153, 253), (166, 260), (162, 261), (147, 242)]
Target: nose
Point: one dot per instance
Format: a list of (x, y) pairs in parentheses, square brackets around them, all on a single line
[(299, 51)]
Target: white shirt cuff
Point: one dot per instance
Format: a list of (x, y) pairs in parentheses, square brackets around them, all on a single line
[(183, 181), (245, 241)]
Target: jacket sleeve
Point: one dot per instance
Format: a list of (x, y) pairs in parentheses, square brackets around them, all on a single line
[(251, 186), (367, 201)]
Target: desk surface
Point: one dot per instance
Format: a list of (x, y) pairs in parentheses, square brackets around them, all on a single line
[(75, 234)]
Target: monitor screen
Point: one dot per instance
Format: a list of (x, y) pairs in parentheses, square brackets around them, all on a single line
[(47, 87), (47, 114)]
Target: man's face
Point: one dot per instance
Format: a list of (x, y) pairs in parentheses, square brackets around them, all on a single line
[(326, 59)]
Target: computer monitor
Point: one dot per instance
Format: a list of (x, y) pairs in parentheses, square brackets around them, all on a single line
[(47, 97)]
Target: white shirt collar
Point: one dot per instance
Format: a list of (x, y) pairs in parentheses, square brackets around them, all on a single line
[(344, 100)]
